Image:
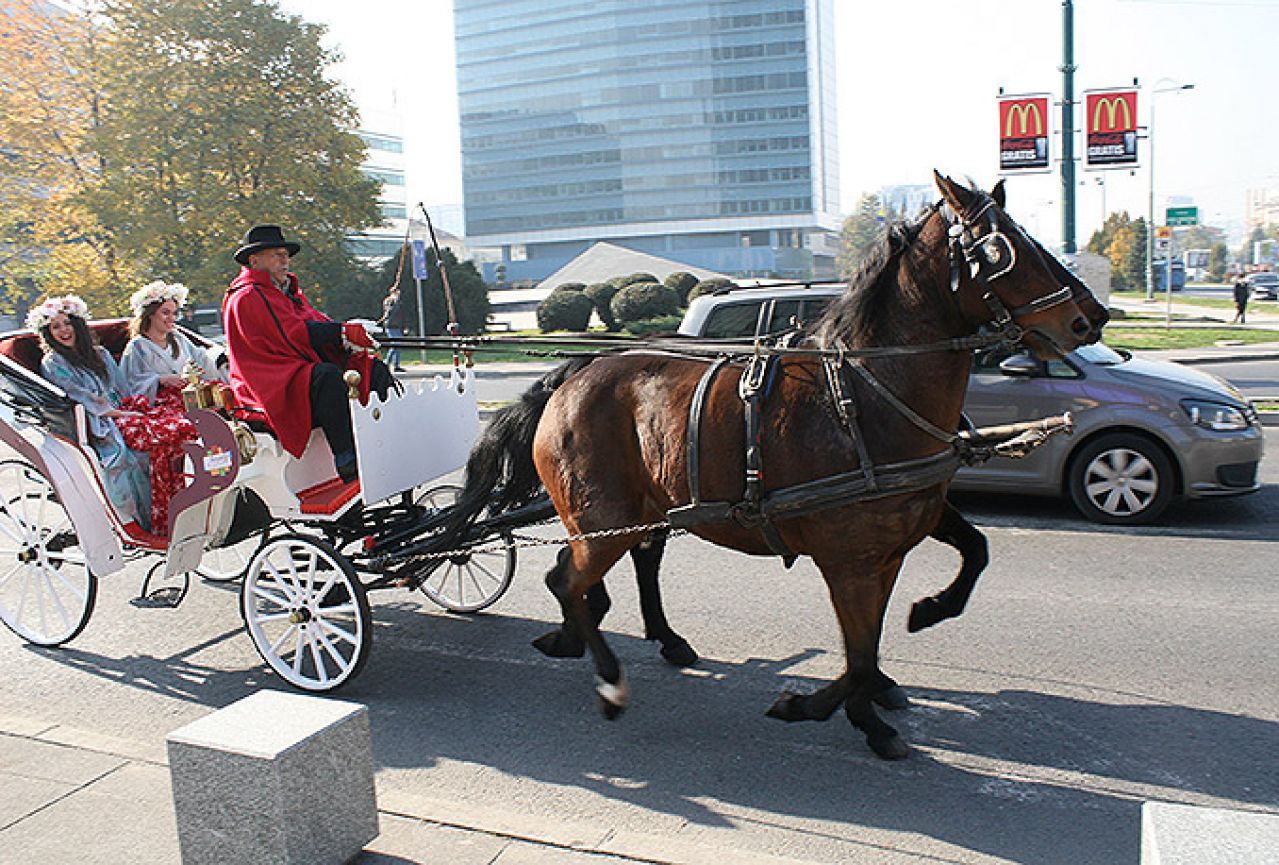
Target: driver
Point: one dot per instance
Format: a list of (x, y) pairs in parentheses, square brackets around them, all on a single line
[(287, 358)]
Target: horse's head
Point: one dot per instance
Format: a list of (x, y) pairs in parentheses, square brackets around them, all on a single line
[(1004, 278)]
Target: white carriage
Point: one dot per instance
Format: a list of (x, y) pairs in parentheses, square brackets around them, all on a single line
[(307, 546)]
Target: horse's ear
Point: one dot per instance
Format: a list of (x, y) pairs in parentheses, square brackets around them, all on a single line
[(998, 194), (954, 194)]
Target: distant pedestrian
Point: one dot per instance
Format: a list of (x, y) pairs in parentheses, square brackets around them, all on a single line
[(393, 321), (1241, 301)]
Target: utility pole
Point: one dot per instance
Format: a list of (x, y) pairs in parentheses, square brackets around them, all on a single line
[(1068, 127)]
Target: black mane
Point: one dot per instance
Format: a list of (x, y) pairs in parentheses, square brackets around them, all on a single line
[(853, 316)]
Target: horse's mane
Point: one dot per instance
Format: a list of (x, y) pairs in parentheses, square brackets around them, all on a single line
[(852, 315)]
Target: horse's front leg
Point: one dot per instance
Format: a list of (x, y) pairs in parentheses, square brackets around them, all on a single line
[(647, 558), (565, 641), (954, 530)]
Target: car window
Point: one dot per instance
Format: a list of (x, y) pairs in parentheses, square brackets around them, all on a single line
[(733, 321), (785, 314)]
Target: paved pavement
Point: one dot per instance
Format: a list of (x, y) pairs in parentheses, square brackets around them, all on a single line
[(70, 796)]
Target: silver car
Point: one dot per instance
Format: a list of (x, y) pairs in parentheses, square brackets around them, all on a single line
[(1146, 432)]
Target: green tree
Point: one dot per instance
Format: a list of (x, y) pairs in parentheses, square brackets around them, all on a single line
[(470, 295), (1218, 262), (859, 233), (219, 116), (1122, 239)]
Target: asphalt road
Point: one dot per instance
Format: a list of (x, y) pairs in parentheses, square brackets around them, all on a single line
[(1096, 668)]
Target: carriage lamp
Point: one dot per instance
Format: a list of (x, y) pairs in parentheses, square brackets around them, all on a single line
[(352, 379), (1214, 415)]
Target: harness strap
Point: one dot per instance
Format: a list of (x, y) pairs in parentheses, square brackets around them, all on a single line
[(846, 408), (906, 411), (695, 410)]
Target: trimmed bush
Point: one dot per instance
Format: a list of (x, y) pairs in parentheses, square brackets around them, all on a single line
[(564, 310), (644, 300), (634, 278), (666, 324), (601, 294), (706, 286), (569, 286), (682, 281)]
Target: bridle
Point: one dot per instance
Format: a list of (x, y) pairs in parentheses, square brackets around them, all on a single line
[(990, 255)]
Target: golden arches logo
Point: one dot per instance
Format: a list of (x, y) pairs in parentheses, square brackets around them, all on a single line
[(1111, 105), (1023, 111)]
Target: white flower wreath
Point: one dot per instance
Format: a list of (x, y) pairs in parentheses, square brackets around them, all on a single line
[(66, 304), (154, 292)]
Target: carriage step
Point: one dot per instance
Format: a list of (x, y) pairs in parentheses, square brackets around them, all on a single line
[(329, 497), (140, 537)]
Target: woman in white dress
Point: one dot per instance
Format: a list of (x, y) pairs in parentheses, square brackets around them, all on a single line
[(159, 353)]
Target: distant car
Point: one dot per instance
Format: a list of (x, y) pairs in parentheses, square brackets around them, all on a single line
[(1146, 432), (1263, 286)]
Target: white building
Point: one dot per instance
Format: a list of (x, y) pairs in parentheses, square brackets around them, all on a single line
[(384, 163)]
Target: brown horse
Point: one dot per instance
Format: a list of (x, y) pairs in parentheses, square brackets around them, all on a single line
[(848, 458)]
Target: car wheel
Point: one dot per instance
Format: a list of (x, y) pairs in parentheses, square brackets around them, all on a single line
[(1121, 479)]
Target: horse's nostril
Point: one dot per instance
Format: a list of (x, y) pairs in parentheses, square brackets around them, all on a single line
[(1080, 326)]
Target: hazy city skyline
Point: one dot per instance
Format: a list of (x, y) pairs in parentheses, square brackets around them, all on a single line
[(918, 84)]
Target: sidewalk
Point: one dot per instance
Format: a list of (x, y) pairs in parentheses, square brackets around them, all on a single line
[(70, 796)]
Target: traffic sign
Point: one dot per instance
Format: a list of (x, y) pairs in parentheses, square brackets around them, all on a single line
[(1182, 216)]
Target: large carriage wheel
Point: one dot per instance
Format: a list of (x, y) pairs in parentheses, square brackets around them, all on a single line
[(473, 579), (307, 612), (46, 588)]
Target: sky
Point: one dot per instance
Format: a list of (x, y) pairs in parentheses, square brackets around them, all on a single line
[(918, 83)]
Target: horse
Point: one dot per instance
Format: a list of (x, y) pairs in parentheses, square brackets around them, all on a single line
[(627, 442)]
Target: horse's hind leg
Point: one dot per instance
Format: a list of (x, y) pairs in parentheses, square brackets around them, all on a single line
[(956, 531), (570, 587), (565, 641), (647, 558)]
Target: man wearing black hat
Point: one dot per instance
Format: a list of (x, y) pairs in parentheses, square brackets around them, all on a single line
[(287, 357)]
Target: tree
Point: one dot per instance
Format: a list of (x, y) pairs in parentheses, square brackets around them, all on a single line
[(859, 233), (1122, 239), (1218, 262), (148, 138), (50, 104), (219, 117), (470, 295)]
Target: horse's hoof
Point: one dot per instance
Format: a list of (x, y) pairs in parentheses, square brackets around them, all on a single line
[(553, 645), (924, 613), (891, 747), (679, 654), (786, 708), (613, 698), (893, 698)]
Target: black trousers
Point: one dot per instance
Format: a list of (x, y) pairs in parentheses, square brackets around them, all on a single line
[(329, 410)]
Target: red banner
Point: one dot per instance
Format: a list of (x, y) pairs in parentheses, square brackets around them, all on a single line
[(1023, 133), (1110, 121)]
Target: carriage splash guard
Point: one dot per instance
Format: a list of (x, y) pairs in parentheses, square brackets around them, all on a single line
[(417, 437)]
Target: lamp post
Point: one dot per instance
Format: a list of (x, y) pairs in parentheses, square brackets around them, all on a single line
[(1170, 87)]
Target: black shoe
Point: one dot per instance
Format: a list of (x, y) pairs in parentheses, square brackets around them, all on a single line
[(349, 472), (398, 369)]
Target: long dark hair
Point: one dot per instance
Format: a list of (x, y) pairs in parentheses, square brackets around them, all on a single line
[(84, 353), (141, 323)]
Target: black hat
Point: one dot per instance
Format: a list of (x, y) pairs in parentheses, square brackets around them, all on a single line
[(261, 237)]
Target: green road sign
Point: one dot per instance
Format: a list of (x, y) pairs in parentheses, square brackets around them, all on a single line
[(1182, 216)]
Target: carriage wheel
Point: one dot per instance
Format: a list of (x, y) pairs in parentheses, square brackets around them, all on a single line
[(46, 588), (473, 579), (228, 564), (307, 612)]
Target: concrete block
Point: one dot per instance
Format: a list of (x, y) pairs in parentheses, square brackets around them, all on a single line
[(274, 779), (1191, 835)]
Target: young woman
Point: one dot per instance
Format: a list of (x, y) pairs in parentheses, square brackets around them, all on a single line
[(89, 375), (158, 356)]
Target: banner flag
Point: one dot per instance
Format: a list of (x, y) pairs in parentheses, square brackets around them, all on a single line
[(419, 259), (1110, 121), (1023, 132)]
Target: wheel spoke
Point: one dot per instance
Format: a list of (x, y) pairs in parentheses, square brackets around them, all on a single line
[(260, 592), (288, 632), (322, 672), (324, 641), (344, 634)]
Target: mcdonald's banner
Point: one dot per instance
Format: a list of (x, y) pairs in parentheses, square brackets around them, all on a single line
[(1110, 118), (1023, 133)]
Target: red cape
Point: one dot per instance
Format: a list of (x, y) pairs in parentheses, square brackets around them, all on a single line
[(270, 363)]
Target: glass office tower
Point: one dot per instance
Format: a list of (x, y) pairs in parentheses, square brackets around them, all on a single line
[(699, 130)]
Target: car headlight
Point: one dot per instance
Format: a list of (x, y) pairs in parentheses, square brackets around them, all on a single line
[(1214, 415)]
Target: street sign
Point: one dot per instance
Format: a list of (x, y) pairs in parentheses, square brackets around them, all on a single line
[(1182, 216), (419, 260)]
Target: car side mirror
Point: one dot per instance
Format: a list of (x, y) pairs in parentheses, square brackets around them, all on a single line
[(1019, 366)]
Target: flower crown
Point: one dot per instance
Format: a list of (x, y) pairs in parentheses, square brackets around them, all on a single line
[(66, 304), (157, 292)]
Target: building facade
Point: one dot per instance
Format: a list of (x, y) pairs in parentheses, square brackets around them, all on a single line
[(384, 162), (698, 130)]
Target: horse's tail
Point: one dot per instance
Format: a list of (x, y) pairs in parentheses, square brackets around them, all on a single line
[(500, 474)]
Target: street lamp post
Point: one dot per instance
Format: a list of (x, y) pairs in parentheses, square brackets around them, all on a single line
[(1173, 87)]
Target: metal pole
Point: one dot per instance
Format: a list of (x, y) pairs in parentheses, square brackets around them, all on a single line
[(1168, 282), (421, 314), (1150, 212), (1068, 128)]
